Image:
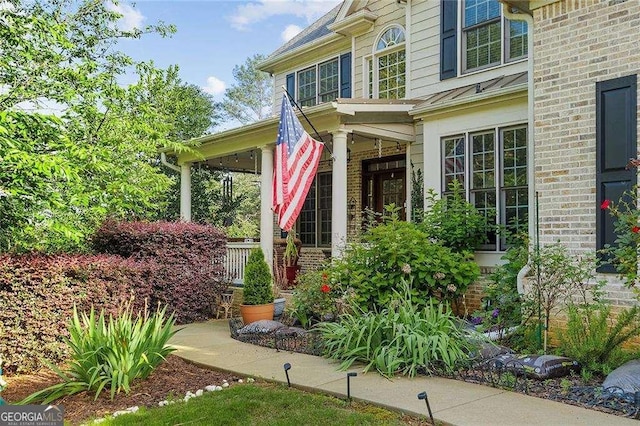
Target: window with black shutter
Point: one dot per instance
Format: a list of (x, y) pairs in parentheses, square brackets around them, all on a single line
[(448, 45), (616, 143)]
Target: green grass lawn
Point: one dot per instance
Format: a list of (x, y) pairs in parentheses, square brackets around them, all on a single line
[(264, 404)]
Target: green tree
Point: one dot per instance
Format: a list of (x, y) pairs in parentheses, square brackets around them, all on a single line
[(250, 99)]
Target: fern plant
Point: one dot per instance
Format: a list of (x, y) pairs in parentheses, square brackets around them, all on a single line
[(110, 353)]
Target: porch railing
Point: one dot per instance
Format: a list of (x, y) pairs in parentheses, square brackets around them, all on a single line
[(236, 259)]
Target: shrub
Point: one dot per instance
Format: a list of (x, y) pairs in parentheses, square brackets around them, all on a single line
[(316, 298), (37, 295), (453, 221), (110, 354), (404, 337), (395, 250), (188, 271), (257, 280), (595, 339)]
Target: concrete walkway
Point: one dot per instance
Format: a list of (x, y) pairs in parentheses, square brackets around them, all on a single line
[(452, 401)]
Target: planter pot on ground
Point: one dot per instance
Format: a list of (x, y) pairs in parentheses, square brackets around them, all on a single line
[(278, 307), (253, 313), (291, 274)]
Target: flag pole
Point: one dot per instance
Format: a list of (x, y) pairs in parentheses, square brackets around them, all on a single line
[(306, 118)]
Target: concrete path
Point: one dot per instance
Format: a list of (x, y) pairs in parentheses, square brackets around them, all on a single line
[(452, 401)]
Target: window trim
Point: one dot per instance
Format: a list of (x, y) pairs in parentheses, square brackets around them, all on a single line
[(370, 70), (316, 66), (504, 43), (499, 188)]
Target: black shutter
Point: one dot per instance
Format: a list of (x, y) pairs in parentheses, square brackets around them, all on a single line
[(616, 143), (448, 34), (291, 85), (345, 75)]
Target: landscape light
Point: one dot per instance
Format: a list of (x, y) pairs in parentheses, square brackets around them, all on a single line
[(423, 395), (349, 376), (287, 367)]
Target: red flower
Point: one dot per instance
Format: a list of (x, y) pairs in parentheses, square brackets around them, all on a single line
[(605, 204), (635, 229), (325, 288)]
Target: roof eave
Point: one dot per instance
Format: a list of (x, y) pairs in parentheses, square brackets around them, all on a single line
[(359, 23), (423, 110), (269, 65)]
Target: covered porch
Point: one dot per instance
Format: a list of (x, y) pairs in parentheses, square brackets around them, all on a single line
[(365, 165)]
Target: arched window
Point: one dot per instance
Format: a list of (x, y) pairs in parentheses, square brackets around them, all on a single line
[(387, 65)]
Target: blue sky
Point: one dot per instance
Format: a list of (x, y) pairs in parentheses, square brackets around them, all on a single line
[(215, 35)]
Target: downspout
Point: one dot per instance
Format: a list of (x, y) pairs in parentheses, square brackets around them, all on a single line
[(163, 160), (530, 131)]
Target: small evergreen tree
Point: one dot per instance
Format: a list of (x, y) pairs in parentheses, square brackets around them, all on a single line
[(257, 280)]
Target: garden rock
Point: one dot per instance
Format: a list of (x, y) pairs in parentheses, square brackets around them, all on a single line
[(487, 350), (261, 327), (625, 377), (538, 366), (291, 332)]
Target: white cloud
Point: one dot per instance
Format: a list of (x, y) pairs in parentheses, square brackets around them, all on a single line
[(290, 32), (214, 86), (260, 10), (131, 18)]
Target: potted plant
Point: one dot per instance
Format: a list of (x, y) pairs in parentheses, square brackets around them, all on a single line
[(291, 256), (257, 291)]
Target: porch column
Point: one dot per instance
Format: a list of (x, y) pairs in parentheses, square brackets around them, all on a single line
[(266, 199), (339, 193), (185, 192)]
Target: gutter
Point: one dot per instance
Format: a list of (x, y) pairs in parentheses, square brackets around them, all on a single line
[(163, 160), (530, 131)]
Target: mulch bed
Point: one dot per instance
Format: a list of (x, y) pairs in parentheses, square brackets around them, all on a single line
[(172, 378)]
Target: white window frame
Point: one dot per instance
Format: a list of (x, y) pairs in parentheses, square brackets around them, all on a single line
[(499, 187), (504, 43), (316, 66), (371, 79)]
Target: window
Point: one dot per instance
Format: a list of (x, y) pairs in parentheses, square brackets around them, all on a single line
[(488, 38), (323, 82), (314, 222), (495, 180), (386, 68)]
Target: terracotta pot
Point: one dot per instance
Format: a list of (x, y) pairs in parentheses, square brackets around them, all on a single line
[(253, 313)]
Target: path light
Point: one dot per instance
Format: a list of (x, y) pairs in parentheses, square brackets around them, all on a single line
[(349, 376), (287, 367), (423, 395)]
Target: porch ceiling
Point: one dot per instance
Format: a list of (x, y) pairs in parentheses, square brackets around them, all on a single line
[(239, 148)]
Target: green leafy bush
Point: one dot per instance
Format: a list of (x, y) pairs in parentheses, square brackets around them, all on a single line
[(316, 298), (396, 250), (110, 354), (404, 337), (257, 280), (453, 221)]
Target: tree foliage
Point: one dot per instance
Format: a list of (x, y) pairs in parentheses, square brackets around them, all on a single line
[(61, 176), (250, 99)]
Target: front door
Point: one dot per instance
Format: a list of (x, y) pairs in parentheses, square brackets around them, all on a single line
[(384, 184)]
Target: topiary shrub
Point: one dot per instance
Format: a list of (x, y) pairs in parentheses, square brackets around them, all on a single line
[(397, 250), (187, 259), (257, 280)]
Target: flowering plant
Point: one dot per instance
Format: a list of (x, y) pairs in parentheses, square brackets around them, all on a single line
[(318, 297)]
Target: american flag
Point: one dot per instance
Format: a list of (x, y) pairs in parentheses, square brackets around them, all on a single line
[(296, 161)]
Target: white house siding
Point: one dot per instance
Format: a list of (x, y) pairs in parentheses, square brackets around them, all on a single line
[(389, 12)]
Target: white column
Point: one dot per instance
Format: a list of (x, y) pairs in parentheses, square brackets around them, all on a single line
[(185, 192), (339, 194), (409, 186), (266, 199)]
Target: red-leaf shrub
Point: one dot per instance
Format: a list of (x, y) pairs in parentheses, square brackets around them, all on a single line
[(188, 259), (37, 294)]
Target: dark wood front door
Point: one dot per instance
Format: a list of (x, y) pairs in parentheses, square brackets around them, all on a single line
[(384, 184)]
